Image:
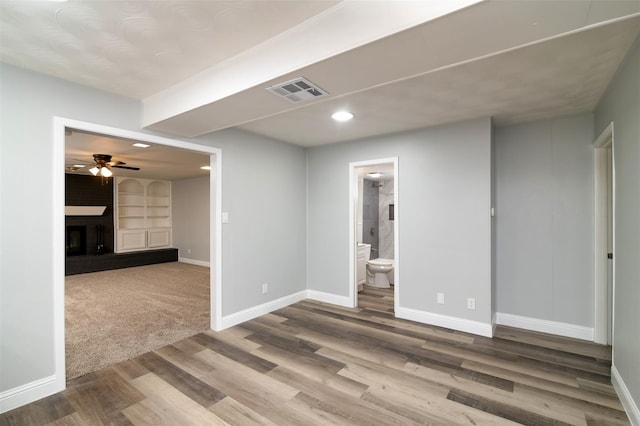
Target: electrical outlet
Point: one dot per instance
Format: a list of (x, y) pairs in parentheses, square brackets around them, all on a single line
[(265, 288), (471, 303), (440, 298), (188, 251)]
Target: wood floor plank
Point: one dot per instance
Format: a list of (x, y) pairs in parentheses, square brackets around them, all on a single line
[(166, 404), (525, 403), (73, 419), (564, 344), (235, 336), (313, 363), (549, 355), (189, 385), (304, 367), (437, 410), (235, 413), (259, 364), (607, 400), (351, 330), (562, 403), (348, 408), (506, 411), (101, 396), (186, 361), (46, 410), (497, 359)]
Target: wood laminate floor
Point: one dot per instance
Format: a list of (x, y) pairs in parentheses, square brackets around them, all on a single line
[(315, 364)]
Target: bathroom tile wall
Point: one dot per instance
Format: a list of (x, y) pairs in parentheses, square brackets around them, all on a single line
[(370, 216), (385, 237)]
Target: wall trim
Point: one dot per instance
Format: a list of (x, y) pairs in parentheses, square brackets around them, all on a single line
[(255, 311), (29, 392), (334, 299), (545, 326), (626, 399), (58, 227), (454, 323), (194, 261)]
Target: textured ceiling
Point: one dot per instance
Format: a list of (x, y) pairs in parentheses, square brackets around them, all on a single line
[(155, 162), (200, 66), (563, 76), (137, 48)]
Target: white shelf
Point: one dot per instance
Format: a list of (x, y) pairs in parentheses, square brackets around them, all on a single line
[(143, 214), (84, 210)]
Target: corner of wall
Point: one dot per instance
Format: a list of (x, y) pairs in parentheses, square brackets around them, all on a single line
[(630, 406)]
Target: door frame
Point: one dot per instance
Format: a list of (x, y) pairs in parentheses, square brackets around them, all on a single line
[(602, 162), (215, 230), (353, 246)]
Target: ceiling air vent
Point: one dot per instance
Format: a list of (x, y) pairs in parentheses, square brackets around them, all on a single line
[(297, 90)]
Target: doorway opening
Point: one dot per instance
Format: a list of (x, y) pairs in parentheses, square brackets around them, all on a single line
[(604, 261), (374, 270), (61, 125)]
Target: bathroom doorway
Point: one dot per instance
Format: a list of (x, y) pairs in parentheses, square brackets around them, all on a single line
[(373, 234)]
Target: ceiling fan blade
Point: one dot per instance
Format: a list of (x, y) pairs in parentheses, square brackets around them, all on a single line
[(77, 161), (126, 167), (115, 163)]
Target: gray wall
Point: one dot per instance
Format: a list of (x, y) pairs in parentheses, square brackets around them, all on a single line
[(264, 241), (28, 104), (190, 217), (544, 219), (264, 192), (444, 201), (621, 104)]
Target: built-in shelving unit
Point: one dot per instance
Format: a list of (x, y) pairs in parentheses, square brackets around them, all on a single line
[(143, 214)]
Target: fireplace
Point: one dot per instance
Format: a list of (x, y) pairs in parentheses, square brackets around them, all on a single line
[(76, 240)]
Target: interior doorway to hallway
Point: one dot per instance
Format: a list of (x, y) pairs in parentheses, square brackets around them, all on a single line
[(58, 162)]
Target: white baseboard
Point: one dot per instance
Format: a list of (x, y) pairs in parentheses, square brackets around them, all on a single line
[(545, 326), (194, 262), (460, 324), (330, 298), (494, 323), (265, 308), (630, 406), (30, 392)]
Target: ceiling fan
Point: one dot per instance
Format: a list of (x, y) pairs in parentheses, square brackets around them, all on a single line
[(104, 164)]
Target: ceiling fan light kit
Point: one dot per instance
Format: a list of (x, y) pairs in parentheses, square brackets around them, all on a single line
[(104, 164)]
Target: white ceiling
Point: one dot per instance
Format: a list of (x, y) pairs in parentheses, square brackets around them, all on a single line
[(200, 66), (155, 162)]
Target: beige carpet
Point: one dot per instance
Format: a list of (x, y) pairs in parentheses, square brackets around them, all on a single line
[(112, 316)]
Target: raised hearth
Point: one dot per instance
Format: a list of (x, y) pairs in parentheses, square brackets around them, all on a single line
[(103, 262)]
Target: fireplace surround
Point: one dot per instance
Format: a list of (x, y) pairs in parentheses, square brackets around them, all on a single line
[(90, 231)]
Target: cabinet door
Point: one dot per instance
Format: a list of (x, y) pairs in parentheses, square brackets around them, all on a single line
[(132, 240), (158, 238)]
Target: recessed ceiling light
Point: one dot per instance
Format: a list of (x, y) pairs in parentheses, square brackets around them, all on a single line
[(342, 116), (206, 167), (79, 166), (375, 174), (141, 145)]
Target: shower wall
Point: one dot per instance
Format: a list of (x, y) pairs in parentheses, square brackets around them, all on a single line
[(370, 216), (385, 224)]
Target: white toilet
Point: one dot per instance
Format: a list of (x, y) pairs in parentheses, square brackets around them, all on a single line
[(379, 272)]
